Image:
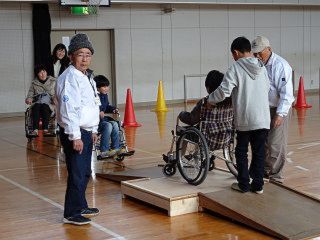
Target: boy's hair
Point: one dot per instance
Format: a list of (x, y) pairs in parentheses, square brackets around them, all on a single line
[(101, 81), (241, 44), (38, 68), (213, 80)]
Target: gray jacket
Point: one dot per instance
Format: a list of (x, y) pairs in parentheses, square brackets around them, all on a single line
[(37, 88), (248, 84)]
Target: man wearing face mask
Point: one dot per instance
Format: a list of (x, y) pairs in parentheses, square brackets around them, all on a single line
[(78, 116), (280, 101)]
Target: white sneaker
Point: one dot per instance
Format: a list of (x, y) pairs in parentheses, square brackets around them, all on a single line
[(258, 192)]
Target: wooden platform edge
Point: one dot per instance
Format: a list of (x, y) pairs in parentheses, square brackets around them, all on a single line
[(174, 206), (304, 194), (130, 183), (117, 178), (206, 203)]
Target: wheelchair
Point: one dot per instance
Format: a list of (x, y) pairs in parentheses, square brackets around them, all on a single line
[(192, 156), (122, 141), (52, 127)]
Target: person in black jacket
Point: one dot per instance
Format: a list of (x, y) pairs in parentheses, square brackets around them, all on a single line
[(59, 60)]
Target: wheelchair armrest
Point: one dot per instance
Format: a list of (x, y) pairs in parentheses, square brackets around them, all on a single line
[(114, 116)]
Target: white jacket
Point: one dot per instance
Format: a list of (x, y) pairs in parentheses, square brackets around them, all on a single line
[(248, 84), (76, 107), (281, 88)]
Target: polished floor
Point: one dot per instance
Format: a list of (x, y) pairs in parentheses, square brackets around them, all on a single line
[(33, 182)]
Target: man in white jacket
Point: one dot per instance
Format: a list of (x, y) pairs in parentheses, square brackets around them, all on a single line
[(78, 118), (248, 84), (280, 101)]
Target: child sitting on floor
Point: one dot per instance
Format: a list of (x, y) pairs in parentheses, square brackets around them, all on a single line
[(108, 128)]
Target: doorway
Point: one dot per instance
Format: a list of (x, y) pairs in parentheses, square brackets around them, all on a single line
[(103, 60)]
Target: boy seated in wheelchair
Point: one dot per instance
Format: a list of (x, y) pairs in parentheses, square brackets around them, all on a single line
[(215, 122), (40, 95), (108, 127)]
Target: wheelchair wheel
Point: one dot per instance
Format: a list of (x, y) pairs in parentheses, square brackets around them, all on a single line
[(169, 169), (192, 156), (229, 154), (28, 123)]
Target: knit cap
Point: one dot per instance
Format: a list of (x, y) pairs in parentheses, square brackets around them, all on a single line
[(79, 41)]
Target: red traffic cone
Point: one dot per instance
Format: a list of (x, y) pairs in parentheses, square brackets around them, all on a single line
[(129, 116), (301, 99)]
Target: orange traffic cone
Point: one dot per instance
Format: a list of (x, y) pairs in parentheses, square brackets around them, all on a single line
[(301, 99), (161, 102), (130, 137), (129, 116)]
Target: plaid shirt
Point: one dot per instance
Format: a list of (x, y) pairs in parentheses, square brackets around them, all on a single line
[(216, 124)]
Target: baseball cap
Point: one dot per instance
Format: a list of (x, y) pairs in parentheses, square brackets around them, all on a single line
[(259, 44)]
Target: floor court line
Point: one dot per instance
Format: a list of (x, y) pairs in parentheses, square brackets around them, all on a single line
[(155, 154), (302, 168), (27, 168), (38, 195)]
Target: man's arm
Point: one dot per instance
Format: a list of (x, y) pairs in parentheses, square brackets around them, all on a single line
[(193, 117), (283, 78), (69, 102)]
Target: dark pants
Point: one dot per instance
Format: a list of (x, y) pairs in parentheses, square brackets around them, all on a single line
[(79, 172), (257, 139), (40, 110)]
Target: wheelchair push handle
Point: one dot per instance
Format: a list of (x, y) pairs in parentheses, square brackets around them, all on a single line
[(178, 121)]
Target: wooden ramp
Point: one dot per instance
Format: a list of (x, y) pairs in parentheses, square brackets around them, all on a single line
[(279, 211), (130, 174), (174, 194)]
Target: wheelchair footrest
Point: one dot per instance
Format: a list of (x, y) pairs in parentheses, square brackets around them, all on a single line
[(104, 158)]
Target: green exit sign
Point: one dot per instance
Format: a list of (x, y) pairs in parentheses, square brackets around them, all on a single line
[(80, 10)]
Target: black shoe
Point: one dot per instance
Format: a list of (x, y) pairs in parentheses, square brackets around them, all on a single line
[(78, 220), (235, 186), (89, 212)]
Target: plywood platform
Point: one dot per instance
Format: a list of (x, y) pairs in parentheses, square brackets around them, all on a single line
[(174, 194), (279, 211), (130, 174)]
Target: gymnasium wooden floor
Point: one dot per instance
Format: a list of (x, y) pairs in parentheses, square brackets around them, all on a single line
[(33, 182)]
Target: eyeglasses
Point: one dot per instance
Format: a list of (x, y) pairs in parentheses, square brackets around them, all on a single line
[(259, 53), (83, 55)]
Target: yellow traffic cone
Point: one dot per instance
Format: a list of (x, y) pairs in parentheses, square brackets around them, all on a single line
[(161, 103)]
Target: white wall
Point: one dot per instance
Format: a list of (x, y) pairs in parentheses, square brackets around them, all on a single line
[(150, 46), (16, 55)]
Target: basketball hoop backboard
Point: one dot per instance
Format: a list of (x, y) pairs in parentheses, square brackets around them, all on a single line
[(103, 3)]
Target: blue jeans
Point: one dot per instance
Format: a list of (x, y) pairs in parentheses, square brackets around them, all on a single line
[(79, 172), (109, 129), (257, 140)]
